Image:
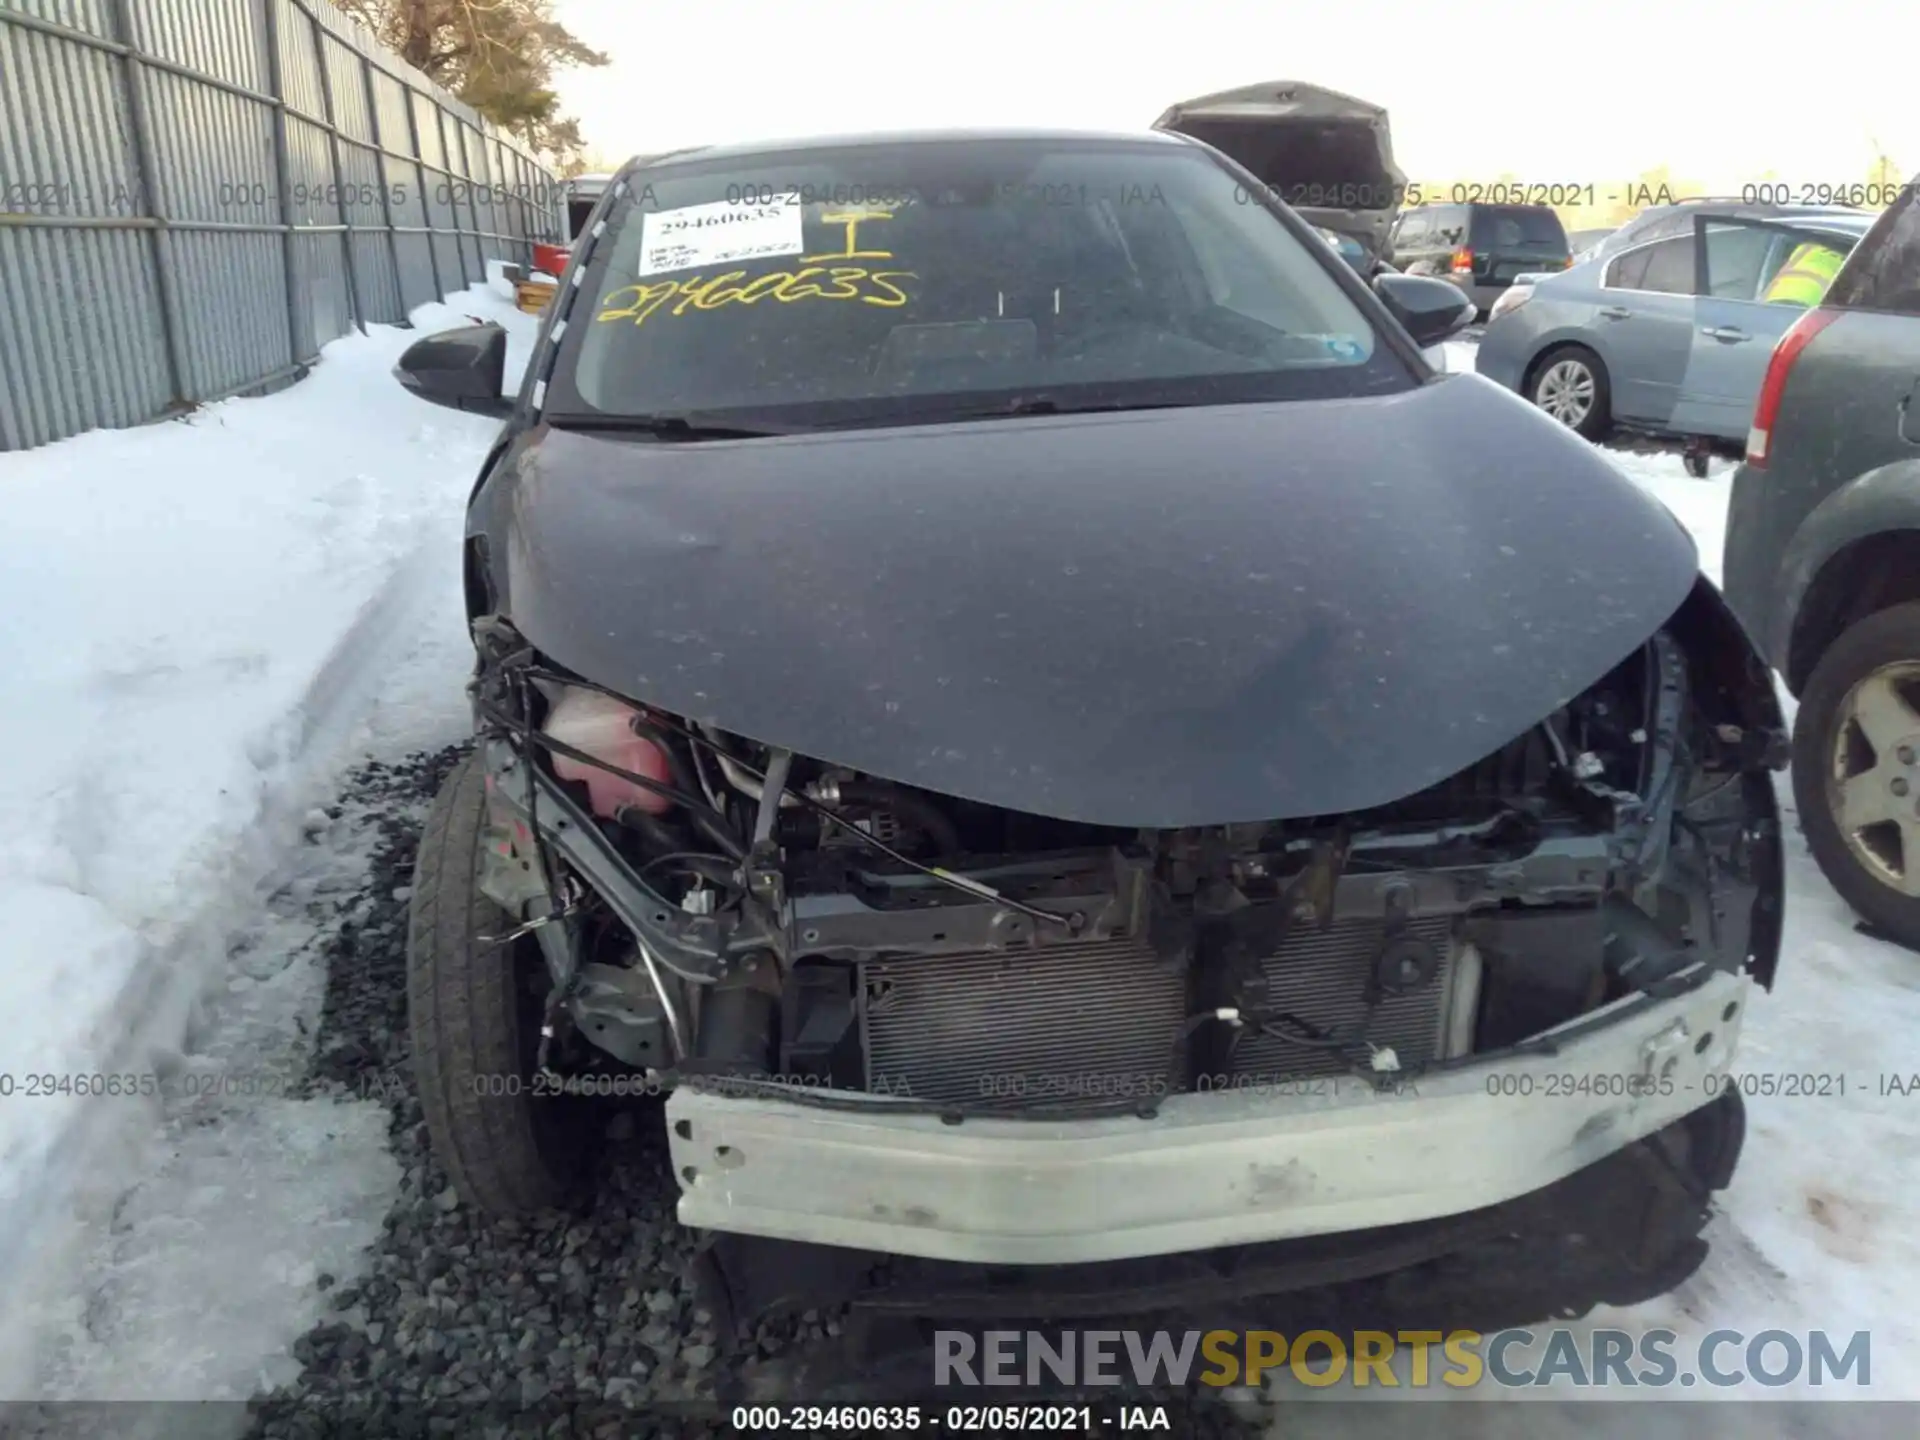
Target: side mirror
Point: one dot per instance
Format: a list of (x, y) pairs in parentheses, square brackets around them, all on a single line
[(463, 369), (1431, 310)]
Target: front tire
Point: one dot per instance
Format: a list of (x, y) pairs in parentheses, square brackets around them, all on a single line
[(474, 1009), (1856, 769), (1571, 385)]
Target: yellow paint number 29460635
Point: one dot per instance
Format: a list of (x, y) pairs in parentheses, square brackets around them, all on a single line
[(815, 277)]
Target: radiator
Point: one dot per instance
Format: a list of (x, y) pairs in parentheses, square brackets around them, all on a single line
[(1321, 976), (1098, 1020), (1063, 1022)]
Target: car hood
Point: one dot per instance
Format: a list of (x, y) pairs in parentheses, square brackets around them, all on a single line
[(1306, 142), (1159, 618)]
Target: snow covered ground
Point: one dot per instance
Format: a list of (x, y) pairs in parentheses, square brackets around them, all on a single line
[(224, 611), (221, 611)]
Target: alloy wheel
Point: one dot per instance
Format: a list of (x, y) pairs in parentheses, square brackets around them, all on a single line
[(1565, 391), (1873, 785)]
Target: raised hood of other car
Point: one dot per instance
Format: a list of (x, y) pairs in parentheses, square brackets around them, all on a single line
[(1157, 618), (1305, 140)]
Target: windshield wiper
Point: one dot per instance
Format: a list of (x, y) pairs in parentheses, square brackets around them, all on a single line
[(1048, 405), (667, 427)]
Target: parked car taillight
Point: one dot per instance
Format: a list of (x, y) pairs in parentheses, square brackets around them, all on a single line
[(1767, 408), (1462, 261), (1512, 298)]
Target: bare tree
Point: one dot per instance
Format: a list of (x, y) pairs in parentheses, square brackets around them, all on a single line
[(592, 160), (497, 55), (1885, 173)]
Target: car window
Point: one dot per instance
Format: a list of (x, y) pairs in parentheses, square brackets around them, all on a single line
[(1232, 272), (891, 281), (1779, 248), (1412, 229), (1883, 273), (1737, 260), (1628, 270), (1669, 267), (1450, 227), (1789, 250), (1506, 227), (1626, 235)]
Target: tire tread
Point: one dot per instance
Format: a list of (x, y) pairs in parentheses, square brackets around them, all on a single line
[(464, 1020)]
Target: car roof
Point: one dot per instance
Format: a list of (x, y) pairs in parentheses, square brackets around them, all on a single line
[(755, 149), (1633, 232), (1832, 219), (1841, 220), (1754, 209)]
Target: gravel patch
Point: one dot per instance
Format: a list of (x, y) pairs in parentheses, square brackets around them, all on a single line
[(459, 1317), (576, 1324)]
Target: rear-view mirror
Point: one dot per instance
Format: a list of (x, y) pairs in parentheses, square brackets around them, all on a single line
[(463, 369), (1430, 310)]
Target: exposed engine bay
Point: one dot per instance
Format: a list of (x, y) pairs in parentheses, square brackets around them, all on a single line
[(707, 905)]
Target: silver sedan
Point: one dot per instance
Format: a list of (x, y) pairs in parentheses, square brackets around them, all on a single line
[(1669, 335)]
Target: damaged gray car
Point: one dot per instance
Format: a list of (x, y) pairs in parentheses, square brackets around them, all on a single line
[(1010, 694)]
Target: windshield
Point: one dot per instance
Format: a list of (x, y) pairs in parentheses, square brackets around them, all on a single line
[(877, 282)]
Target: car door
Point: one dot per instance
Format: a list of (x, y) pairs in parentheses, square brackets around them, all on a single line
[(1643, 327), (1404, 236), (1734, 329)]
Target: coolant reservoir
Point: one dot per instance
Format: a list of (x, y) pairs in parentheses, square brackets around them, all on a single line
[(603, 727)]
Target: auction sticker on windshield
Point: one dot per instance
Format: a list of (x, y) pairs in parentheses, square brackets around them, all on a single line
[(720, 233)]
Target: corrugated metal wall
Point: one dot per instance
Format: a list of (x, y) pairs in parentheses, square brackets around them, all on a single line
[(196, 195)]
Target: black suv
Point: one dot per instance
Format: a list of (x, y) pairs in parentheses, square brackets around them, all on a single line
[(1823, 563), (1480, 248)]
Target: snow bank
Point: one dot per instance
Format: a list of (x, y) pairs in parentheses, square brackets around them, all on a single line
[(204, 610)]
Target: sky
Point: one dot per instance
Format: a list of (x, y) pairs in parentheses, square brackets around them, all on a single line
[(1571, 94)]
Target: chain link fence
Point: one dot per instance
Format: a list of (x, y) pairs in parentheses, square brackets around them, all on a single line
[(196, 195)]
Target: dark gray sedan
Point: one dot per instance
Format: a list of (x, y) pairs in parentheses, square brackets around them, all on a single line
[(1668, 335), (995, 660)]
